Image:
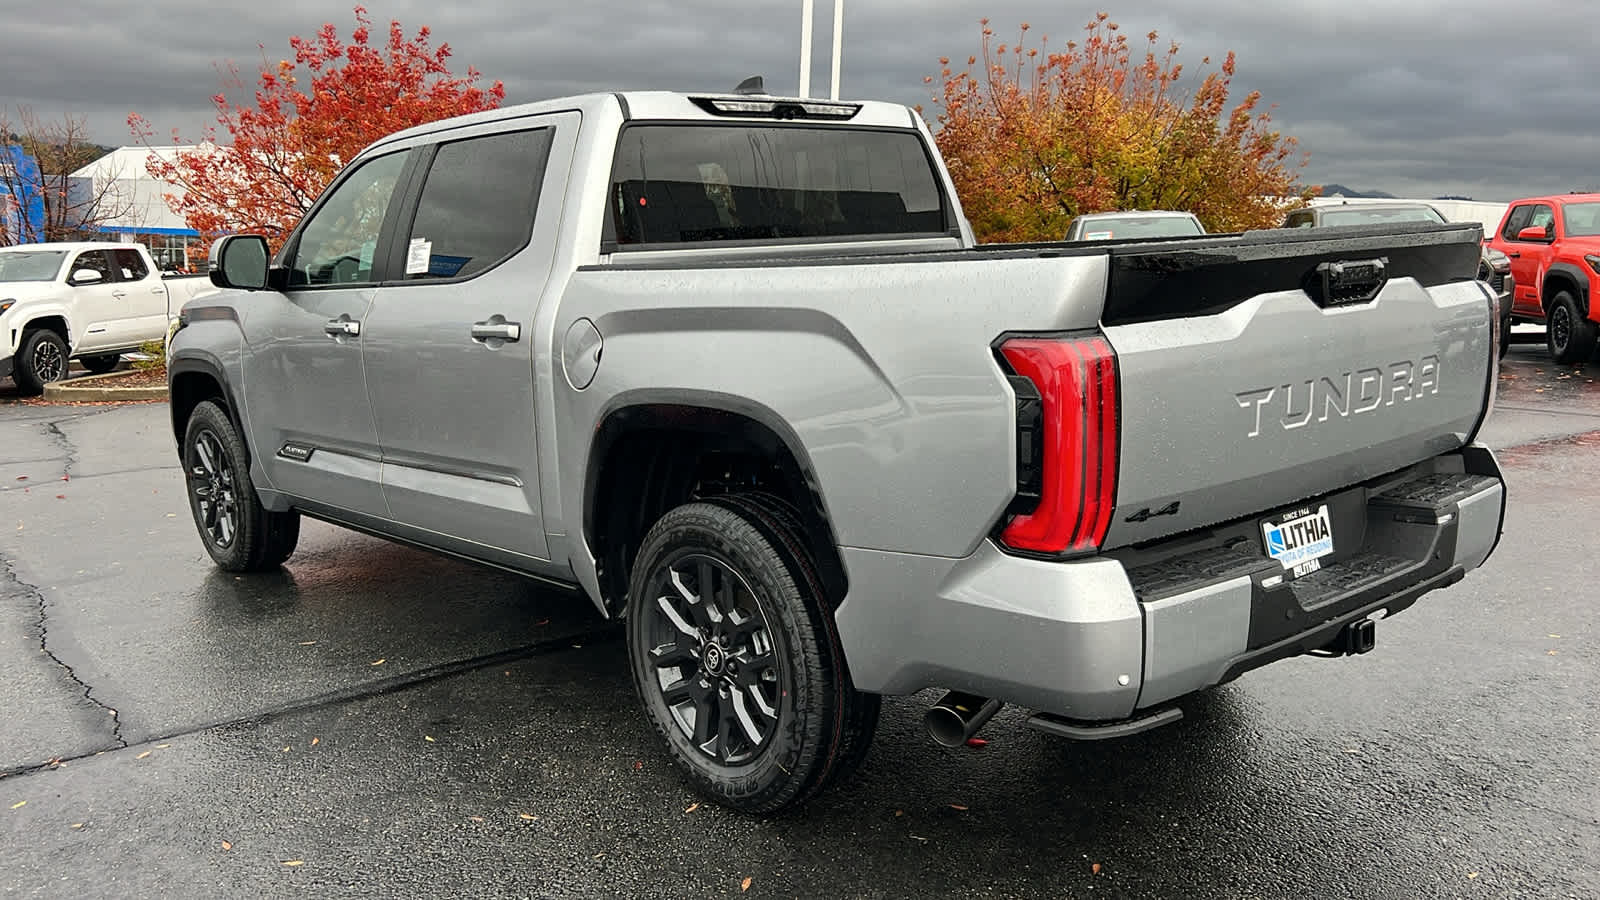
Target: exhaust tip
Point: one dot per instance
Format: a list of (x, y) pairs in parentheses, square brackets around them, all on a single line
[(957, 717), (945, 726)]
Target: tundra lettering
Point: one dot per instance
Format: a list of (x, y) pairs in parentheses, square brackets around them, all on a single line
[(1406, 380)]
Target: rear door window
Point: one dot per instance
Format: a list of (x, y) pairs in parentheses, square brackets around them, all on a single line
[(130, 265), (477, 204), (678, 184)]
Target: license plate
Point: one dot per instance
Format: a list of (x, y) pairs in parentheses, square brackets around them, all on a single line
[(1300, 538)]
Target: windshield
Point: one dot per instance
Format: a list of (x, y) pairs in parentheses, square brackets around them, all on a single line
[(1102, 229), (30, 265), (1381, 214), (1583, 219)]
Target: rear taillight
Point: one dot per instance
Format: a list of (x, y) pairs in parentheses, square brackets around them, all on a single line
[(1067, 452)]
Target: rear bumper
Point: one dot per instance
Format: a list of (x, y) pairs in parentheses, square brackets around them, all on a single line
[(1103, 639)]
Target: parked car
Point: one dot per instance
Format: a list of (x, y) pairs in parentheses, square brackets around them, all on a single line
[(1494, 268), (1554, 249), (731, 367), (1133, 224), (86, 301)]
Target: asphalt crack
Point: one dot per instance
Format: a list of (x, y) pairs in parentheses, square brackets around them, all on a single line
[(354, 694), (43, 626), (54, 428)]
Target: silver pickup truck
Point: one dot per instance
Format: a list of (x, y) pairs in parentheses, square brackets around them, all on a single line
[(733, 367)]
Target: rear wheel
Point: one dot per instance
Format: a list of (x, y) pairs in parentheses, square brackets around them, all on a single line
[(1570, 334), (735, 657), (240, 534), (102, 363), (41, 360)]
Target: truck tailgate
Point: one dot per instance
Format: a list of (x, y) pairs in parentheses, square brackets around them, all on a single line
[(1268, 368)]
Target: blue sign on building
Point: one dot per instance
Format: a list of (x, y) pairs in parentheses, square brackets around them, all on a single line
[(22, 218)]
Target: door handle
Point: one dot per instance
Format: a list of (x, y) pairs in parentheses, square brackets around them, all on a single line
[(496, 329), (341, 327), (1515, 254), (119, 294)]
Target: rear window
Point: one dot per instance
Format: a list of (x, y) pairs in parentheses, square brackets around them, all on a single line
[(677, 184), (1104, 229), (1355, 215)]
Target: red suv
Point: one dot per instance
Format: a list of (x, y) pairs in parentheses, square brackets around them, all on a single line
[(1554, 245)]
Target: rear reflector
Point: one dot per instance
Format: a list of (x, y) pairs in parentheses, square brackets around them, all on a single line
[(1077, 383)]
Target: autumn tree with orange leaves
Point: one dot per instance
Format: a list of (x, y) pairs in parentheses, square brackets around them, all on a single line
[(1034, 138), (311, 116)]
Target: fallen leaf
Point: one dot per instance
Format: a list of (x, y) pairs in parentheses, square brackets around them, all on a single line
[(527, 818), (162, 746), (476, 818), (172, 515), (429, 739), (22, 478), (1472, 874), (1553, 635), (286, 749), (638, 764), (692, 807), (918, 837), (1095, 868), (315, 741), (76, 825), (745, 884), (66, 478), (307, 643), (541, 622), (294, 862), (977, 742), (227, 845), (144, 754), (899, 812), (19, 804), (1551, 652), (380, 662), (598, 855), (61, 496), (958, 806)]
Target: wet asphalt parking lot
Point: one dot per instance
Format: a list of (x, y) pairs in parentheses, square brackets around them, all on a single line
[(377, 721)]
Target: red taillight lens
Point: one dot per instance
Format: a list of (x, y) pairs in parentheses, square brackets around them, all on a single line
[(1077, 383)]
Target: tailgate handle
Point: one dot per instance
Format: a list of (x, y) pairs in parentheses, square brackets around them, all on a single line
[(1348, 281)]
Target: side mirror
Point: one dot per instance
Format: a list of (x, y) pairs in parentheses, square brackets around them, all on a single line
[(1535, 233), (87, 276), (239, 261)]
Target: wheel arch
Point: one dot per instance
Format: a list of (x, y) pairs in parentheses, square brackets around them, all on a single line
[(1565, 277), (192, 380), (653, 450), (56, 322)]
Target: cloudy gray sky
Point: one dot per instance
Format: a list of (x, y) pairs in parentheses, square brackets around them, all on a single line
[(1416, 98)]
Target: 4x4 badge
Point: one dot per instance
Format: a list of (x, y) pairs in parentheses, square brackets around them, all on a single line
[(1144, 515)]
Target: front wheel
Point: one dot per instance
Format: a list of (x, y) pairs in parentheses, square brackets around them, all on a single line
[(41, 360), (240, 534), (1570, 334), (736, 660)]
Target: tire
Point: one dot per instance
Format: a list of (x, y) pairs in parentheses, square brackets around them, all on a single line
[(735, 659), (1569, 333), (783, 524), (101, 364), (240, 534), (41, 360)]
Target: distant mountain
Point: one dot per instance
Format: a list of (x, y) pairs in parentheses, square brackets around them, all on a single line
[(1330, 190)]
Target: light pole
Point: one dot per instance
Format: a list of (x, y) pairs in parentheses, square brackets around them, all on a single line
[(838, 45), (805, 48), (806, 27)]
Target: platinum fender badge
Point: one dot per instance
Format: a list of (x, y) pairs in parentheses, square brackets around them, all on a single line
[(1296, 405)]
